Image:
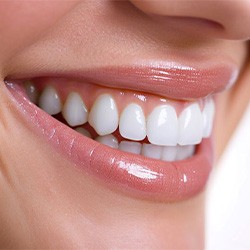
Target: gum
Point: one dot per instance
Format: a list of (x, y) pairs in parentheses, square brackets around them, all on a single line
[(90, 91)]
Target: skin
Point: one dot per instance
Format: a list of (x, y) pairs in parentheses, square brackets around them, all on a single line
[(45, 203)]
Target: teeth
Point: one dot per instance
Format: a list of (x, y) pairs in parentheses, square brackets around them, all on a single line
[(184, 152), (171, 138), (162, 126), (208, 117), (169, 153), (190, 125), (132, 123), (50, 101), (31, 91), (108, 140), (152, 151), (74, 110), (103, 116), (83, 132), (131, 147)]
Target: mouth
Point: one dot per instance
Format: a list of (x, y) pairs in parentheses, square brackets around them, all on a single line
[(141, 143)]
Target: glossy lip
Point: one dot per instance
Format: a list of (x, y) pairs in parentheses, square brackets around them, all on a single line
[(167, 80), (175, 82), (133, 175)]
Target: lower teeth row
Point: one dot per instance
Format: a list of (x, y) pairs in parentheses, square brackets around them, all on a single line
[(165, 153)]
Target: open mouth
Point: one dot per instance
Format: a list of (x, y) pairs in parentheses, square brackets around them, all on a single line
[(128, 121), (143, 144)]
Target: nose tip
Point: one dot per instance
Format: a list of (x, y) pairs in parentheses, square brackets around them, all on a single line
[(232, 16)]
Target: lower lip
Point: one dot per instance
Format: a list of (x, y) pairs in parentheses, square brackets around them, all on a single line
[(132, 175)]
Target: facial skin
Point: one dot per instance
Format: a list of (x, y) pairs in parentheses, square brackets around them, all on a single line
[(45, 203)]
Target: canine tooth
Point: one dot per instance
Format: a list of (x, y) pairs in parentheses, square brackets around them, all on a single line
[(169, 153), (83, 132), (103, 116), (208, 117), (132, 123), (74, 110), (190, 125), (162, 126), (31, 91), (50, 101), (108, 140), (184, 152), (131, 147), (152, 151)]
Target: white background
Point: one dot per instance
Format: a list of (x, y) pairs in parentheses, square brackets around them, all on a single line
[(228, 196)]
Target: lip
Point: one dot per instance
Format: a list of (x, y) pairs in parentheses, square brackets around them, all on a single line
[(168, 79), (133, 175)]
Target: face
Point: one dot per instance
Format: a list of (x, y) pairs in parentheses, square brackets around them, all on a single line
[(107, 110)]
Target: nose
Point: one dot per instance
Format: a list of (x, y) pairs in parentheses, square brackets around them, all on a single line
[(229, 19)]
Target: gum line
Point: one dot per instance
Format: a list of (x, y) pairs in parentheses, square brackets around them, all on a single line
[(89, 93)]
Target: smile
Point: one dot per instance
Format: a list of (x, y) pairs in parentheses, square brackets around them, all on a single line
[(144, 144)]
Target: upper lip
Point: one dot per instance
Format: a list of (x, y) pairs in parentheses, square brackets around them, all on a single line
[(166, 79), (176, 82)]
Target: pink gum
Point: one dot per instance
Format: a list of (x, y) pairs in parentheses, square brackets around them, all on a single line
[(90, 92)]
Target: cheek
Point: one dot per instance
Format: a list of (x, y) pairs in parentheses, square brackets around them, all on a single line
[(22, 22)]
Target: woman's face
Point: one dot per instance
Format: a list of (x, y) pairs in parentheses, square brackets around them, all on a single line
[(136, 76)]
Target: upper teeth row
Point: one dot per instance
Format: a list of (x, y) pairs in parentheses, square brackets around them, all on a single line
[(162, 126)]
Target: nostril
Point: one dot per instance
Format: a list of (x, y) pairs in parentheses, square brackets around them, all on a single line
[(210, 19)]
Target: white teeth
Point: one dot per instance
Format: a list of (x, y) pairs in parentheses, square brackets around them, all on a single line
[(208, 117), (169, 153), (152, 151), (132, 123), (83, 132), (74, 110), (190, 125), (184, 152), (108, 140), (131, 147), (162, 126), (31, 91), (171, 138), (103, 116), (50, 101)]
